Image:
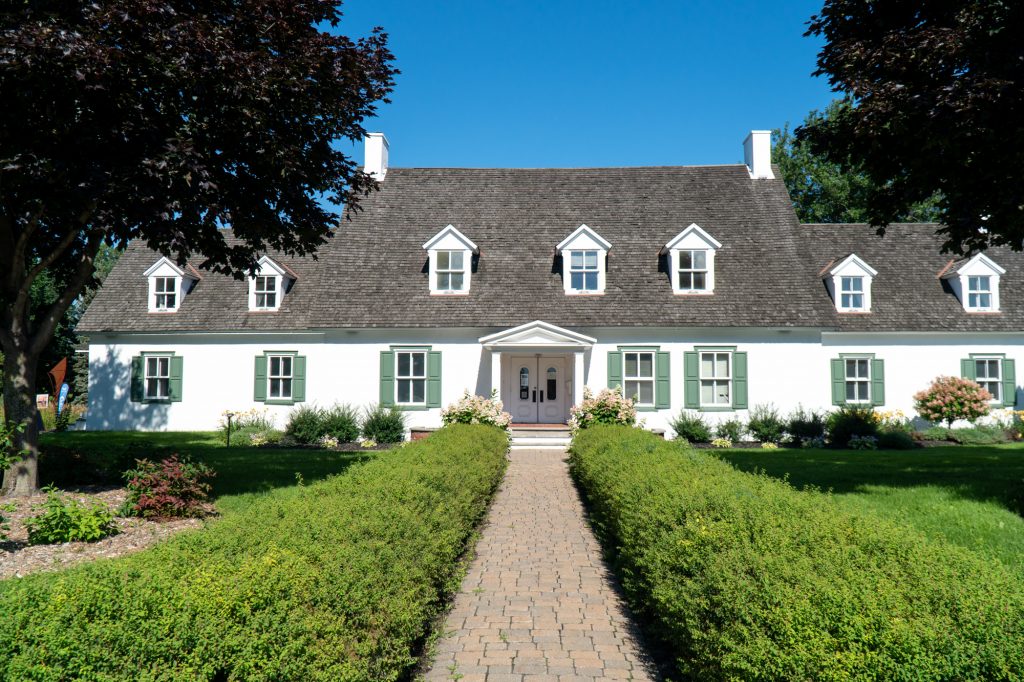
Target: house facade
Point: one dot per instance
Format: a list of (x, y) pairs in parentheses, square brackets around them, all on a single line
[(692, 287)]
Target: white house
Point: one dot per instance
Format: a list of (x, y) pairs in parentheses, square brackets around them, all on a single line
[(692, 287)]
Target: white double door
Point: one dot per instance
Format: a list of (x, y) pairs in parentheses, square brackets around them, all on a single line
[(539, 389)]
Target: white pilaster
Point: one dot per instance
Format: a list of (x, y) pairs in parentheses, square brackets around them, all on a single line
[(577, 378), (496, 372)]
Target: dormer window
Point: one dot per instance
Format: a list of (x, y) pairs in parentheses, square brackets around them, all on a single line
[(848, 281), (975, 281), (168, 284), (450, 260), (584, 260), (269, 286), (691, 255)]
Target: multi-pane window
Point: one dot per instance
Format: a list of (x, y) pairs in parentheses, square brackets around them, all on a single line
[(979, 292), (266, 292), (411, 377), (158, 377), (693, 270), (451, 271), (988, 372), (716, 379), (858, 380), (165, 293), (638, 375), (851, 296), (280, 373), (583, 270)]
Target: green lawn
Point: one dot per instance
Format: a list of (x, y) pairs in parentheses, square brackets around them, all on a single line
[(242, 472), (972, 496)]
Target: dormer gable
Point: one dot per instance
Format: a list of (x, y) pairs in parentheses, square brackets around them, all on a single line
[(691, 258), (168, 284), (975, 282), (849, 281), (584, 261), (269, 285), (450, 258)]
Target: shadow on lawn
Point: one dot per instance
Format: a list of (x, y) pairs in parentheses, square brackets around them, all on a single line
[(973, 472)]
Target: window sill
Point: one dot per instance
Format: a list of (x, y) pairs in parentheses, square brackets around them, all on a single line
[(157, 401), (452, 294), (853, 312), (280, 402), (982, 312), (163, 312), (411, 408), (693, 293), (646, 408), (584, 293), (264, 310), (716, 408)]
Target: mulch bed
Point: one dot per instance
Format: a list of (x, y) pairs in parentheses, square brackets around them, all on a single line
[(18, 558)]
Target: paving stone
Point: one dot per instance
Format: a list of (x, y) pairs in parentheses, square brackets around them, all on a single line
[(538, 603)]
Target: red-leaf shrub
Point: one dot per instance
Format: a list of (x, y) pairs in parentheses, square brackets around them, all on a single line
[(951, 398), (172, 488)]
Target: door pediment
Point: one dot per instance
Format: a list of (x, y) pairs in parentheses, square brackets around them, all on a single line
[(537, 334)]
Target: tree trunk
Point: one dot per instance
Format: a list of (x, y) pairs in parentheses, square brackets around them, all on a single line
[(19, 383)]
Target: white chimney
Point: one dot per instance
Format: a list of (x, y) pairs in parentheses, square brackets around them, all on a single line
[(376, 155), (757, 154)]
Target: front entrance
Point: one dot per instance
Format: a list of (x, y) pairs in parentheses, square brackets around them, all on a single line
[(540, 388)]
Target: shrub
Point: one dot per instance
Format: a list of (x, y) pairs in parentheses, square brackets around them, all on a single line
[(979, 435), (328, 442), (766, 424), (474, 409), (949, 399), (244, 424), (340, 422), (384, 424), (340, 579), (849, 421), (721, 443), (895, 440), (68, 520), (305, 424), (739, 576), (730, 429), (863, 443), (691, 426), (805, 425), (607, 407), (893, 421), (172, 488)]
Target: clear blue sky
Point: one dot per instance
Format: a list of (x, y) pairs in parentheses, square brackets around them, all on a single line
[(515, 84)]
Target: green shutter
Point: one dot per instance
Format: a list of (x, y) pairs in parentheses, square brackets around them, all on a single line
[(838, 382), (968, 369), (739, 381), (434, 378), (1009, 383), (387, 377), (137, 380), (177, 365), (259, 382), (614, 369), (691, 380), (298, 379), (878, 382), (662, 382)]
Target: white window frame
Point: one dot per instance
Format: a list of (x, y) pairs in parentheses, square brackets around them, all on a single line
[(854, 270), (997, 395), (714, 380), (439, 271), (638, 378), (857, 380), (692, 271), (694, 238), (584, 269), (160, 378), (161, 296), (848, 295), (411, 376), (281, 376), (268, 294), (972, 292)]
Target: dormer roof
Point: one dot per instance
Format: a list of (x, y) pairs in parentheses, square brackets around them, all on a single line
[(845, 263), (449, 238), (979, 264), (695, 230), (164, 261), (583, 237), (267, 263)]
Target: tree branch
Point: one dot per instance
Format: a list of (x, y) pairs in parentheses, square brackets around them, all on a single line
[(18, 254)]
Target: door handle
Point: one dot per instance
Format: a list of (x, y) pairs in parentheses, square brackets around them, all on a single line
[(542, 395), (534, 395)]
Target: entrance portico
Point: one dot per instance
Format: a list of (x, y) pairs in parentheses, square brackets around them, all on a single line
[(538, 370)]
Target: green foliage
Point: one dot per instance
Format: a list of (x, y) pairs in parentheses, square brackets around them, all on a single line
[(730, 429), (9, 453), (691, 426), (863, 443), (475, 409), (849, 421), (383, 424), (739, 576), (305, 424), (340, 579), (950, 399), (172, 488), (609, 406), (341, 422), (895, 440), (766, 424), (308, 424), (805, 425), (979, 435), (68, 520)]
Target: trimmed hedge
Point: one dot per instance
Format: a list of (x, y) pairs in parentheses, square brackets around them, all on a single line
[(740, 576), (339, 580)]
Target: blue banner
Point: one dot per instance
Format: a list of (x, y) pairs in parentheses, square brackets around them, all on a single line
[(63, 396)]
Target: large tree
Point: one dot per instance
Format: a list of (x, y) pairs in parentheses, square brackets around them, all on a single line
[(937, 105), (826, 191), (165, 121)]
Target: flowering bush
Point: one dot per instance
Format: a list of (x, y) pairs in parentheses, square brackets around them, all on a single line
[(863, 443), (951, 398), (368, 443), (768, 445), (721, 443), (475, 409), (327, 441), (607, 407), (891, 420), (256, 420), (172, 488)]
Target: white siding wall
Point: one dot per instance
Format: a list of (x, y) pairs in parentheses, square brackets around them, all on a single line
[(784, 368)]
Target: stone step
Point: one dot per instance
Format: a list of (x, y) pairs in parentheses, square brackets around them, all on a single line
[(539, 442)]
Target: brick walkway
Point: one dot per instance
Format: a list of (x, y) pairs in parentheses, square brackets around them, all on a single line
[(537, 603)]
